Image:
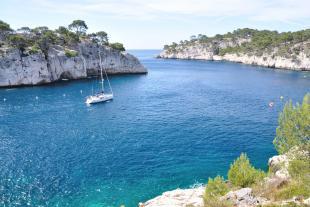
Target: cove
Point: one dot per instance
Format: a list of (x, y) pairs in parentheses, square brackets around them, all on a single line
[(181, 123)]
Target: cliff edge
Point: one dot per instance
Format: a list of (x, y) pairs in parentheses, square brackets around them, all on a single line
[(290, 50), (40, 55), (36, 69)]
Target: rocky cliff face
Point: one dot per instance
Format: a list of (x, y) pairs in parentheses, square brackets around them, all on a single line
[(34, 69), (199, 51)]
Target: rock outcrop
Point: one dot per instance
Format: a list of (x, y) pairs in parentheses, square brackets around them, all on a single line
[(178, 198), (279, 165), (211, 51), (242, 198), (34, 69)]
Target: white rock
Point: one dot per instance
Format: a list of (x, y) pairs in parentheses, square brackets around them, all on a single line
[(307, 201), (241, 198), (177, 198), (207, 51), (37, 69), (280, 164)]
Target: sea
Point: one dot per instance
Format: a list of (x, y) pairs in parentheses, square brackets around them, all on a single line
[(178, 125)]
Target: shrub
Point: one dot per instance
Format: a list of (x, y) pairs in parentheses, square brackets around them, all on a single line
[(34, 49), (242, 173), (117, 46), (291, 204), (18, 41), (216, 187), (4, 29), (294, 188), (78, 26), (300, 169), (293, 127), (215, 202), (71, 53)]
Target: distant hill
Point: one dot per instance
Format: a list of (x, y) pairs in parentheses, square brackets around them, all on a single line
[(287, 50)]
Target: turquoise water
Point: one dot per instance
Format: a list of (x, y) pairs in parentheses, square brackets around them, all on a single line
[(174, 127)]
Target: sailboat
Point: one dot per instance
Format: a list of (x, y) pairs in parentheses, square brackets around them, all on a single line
[(100, 96)]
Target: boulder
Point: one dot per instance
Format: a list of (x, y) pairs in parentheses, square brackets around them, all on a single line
[(241, 198), (178, 198), (279, 166)]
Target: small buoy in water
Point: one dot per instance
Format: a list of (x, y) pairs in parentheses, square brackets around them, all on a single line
[(37, 97), (305, 76), (81, 91), (4, 99), (271, 104), (64, 95), (281, 97)]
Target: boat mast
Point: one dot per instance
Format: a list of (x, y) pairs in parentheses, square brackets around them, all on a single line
[(108, 81), (101, 74)]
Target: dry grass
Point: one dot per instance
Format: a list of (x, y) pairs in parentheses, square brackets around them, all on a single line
[(216, 202)]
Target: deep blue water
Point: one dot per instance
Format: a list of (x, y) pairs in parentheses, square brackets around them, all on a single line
[(174, 127)]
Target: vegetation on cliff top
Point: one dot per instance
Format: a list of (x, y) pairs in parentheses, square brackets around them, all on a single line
[(250, 41), (294, 127), (33, 40), (292, 134)]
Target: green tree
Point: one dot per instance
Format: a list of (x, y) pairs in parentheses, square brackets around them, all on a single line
[(166, 47), (40, 30), (67, 37), (242, 173), (62, 30), (47, 39), (102, 37), (4, 29), (24, 30), (18, 41), (27, 33), (79, 27), (294, 126), (117, 46), (193, 38), (4, 26), (216, 187), (99, 38)]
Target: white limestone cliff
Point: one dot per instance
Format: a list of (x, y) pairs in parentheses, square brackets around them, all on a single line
[(210, 52), (36, 69)]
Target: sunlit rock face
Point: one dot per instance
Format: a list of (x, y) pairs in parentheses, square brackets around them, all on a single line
[(177, 198), (208, 51), (35, 69)]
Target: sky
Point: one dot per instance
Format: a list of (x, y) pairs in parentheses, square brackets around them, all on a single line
[(150, 24)]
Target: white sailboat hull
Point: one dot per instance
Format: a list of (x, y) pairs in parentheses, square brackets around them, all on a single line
[(101, 97)]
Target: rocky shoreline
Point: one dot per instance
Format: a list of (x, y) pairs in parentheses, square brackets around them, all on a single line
[(37, 69), (243, 197), (272, 49), (266, 60)]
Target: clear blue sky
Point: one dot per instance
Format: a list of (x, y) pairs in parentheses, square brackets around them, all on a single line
[(149, 24)]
